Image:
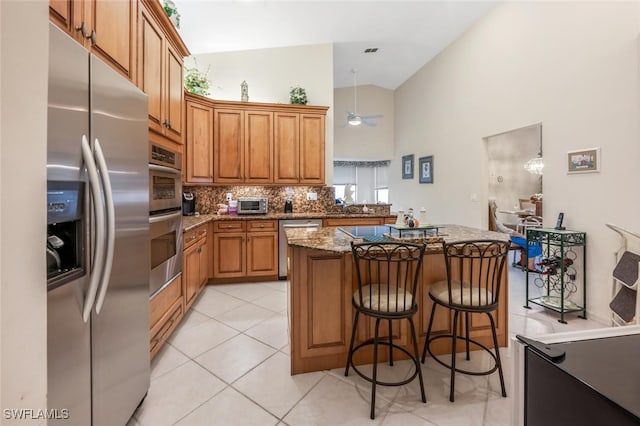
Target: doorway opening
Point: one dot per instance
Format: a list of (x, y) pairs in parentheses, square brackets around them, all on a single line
[(515, 167)]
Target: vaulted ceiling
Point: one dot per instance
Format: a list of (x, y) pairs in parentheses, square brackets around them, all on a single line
[(407, 34)]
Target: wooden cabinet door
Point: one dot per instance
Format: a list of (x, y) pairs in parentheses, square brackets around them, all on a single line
[(191, 273), (113, 25), (67, 14), (262, 253), (229, 251), (174, 95), (199, 147), (203, 264), (286, 152), (151, 73), (228, 142), (312, 149), (258, 147)]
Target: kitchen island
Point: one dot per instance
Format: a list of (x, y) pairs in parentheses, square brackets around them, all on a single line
[(321, 284)]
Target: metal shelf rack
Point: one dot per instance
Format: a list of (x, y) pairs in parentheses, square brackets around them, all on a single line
[(559, 278)]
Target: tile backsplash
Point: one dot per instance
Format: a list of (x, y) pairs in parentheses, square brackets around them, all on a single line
[(208, 198)]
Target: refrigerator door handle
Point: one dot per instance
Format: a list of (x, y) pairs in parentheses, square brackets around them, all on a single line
[(98, 252), (111, 225)]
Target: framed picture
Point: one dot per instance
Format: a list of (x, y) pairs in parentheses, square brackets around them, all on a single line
[(583, 161), (426, 169), (407, 166)]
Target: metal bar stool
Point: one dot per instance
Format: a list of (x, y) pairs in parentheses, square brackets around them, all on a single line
[(474, 276), (387, 280)]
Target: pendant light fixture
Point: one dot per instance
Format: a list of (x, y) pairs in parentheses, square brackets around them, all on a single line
[(534, 165)]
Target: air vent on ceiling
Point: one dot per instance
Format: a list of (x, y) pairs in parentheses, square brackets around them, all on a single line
[(371, 50)]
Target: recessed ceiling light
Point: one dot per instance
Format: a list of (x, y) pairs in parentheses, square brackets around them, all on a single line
[(371, 50)]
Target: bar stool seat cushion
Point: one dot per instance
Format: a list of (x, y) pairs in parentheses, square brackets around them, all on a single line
[(374, 297), (471, 295)]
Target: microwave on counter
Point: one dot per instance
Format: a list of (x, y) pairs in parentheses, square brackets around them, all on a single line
[(252, 205)]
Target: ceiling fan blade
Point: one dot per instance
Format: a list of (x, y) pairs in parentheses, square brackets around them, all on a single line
[(371, 117), (369, 123)]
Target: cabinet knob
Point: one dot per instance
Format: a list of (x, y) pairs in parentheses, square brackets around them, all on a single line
[(93, 37), (83, 30)]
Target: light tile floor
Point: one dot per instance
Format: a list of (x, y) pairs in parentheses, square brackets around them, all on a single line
[(228, 364)]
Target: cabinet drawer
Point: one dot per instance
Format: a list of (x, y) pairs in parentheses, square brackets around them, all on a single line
[(189, 238), (163, 329), (193, 235), (164, 300), (229, 226), (262, 225)]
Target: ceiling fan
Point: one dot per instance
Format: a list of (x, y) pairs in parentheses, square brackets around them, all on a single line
[(353, 118)]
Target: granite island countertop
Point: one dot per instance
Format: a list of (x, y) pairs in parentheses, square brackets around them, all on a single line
[(334, 240), (190, 222)]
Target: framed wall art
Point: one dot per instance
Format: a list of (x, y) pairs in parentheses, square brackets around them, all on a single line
[(583, 161), (407, 166), (425, 165)]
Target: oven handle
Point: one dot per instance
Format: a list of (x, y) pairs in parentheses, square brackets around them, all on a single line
[(165, 217), (164, 169), (301, 225), (98, 252), (111, 225)]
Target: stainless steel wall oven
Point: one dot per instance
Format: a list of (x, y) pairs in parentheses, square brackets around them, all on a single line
[(165, 216)]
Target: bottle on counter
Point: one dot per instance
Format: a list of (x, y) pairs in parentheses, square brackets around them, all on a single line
[(423, 216), (410, 221)]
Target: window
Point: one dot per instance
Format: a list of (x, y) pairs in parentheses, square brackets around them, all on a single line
[(367, 179)]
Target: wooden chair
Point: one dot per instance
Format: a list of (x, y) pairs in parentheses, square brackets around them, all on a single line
[(474, 278), (387, 283), (496, 226)]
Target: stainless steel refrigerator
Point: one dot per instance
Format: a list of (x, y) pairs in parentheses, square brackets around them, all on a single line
[(97, 239)]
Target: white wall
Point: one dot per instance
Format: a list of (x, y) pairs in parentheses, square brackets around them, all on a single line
[(573, 66), (364, 142), (270, 74), (23, 121)]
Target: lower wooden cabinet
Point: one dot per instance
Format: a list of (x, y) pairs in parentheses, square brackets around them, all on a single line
[(165, 313), (195, 263), (245, 249)]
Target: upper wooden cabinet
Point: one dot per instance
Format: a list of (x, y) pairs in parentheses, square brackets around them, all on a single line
[(243, 146), (256, 143), (299, 148), (199, 141), (160, 75), (106, 28)]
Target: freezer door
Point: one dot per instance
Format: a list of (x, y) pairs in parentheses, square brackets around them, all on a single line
[(120, 331), (68, 336)]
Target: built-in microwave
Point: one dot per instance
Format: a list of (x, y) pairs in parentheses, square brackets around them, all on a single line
[(252, 205)]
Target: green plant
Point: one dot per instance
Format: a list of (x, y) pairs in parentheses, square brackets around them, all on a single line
[(172, 12), (297, 95), (195, 81)]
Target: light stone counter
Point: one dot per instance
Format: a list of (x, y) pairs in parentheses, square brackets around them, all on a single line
[(334, 240)]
